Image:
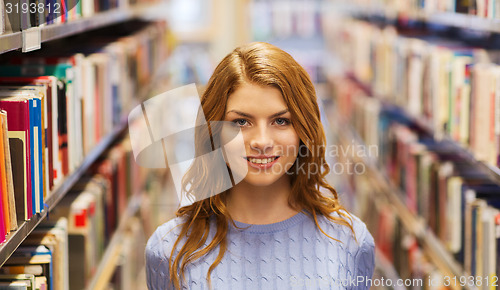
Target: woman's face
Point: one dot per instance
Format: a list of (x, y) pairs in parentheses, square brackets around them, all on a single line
[(271, 143)]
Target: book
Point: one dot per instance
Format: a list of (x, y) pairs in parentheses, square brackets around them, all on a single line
[(2, 18), (17, 281), (6, 172), (436, 183), (36, 148), (3, 182)]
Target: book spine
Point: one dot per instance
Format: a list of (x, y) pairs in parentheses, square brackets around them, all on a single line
[(33, 141), (29, 192), (40, 148), (9, 177)]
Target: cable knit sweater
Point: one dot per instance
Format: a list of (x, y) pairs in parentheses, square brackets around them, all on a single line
[(291, 254)]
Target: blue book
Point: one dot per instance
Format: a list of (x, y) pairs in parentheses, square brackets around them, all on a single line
[(37, 153), (40, 147), (34, 162)]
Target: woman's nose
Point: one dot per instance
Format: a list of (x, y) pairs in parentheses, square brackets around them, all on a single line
[(261, 140)]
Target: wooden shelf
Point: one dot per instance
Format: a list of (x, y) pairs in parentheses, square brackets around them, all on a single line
[(10, 42), (14, 41)]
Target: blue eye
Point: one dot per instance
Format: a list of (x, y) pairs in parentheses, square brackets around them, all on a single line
[(282, 121), (240, 122)]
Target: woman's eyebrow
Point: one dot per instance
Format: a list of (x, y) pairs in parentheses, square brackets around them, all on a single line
[(250, 116), (279, 113), (239, 113)]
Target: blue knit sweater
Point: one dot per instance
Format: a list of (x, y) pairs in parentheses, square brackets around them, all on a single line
[(291, 254)]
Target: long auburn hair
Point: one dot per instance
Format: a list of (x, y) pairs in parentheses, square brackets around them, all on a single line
[(266, 65)]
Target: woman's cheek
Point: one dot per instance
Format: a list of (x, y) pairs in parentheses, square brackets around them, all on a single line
[(234, 149)]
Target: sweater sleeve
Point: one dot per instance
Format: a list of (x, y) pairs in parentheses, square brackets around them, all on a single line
[(365, 259), (157, 270)]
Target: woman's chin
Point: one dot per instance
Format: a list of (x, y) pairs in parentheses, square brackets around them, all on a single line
[(262, 179)]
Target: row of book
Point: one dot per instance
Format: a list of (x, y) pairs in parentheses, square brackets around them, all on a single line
[(65, 251), (395, 242), (43, 260), (460, 207), (21, 15), (451, 88), (401, 257), (56, 106), (445, 191), (482, 8)]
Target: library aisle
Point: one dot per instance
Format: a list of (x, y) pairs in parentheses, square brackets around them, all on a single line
[(409, 94)]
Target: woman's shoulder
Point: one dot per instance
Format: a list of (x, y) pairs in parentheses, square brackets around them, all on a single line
[(344, 233), (161, 242)]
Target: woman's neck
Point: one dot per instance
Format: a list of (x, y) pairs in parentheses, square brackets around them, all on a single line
[(261, 204)]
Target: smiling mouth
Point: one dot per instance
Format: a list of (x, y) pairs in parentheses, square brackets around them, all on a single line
[(261, 160)]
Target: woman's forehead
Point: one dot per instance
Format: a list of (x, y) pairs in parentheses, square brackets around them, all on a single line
[(256, 97)]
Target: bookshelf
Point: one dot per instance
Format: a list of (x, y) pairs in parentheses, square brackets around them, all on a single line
[(17, 237), (458, 20), (148, 81), (452, 146), (14, 41), (431, 245), (415, 226), (111, 255), (387, 268)]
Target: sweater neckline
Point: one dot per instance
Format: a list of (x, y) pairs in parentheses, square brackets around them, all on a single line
[(269, 228)]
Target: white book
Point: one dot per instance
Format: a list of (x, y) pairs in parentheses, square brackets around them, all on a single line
[(459, 94), (87, 8), (70, 104), (77, 113), (481, 8), (2, 17), (415, 71), (470, 197), (89, 139), (489, 244), (454, 214), (56, 161), (480, 133)]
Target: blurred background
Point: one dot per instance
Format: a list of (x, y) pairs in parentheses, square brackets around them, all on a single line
[(410, 99)]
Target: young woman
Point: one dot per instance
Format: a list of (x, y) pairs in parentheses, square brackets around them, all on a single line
[(276, 229)]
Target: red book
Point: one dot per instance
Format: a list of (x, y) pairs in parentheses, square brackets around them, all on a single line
[(18, 120), (118, 157), (107, 169)]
